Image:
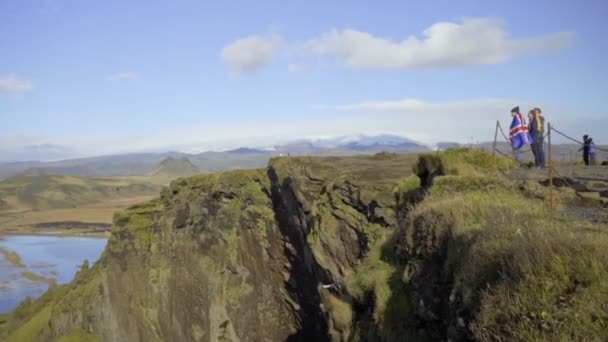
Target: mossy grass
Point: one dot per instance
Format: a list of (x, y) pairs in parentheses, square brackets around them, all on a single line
[(527, 274), (35, 329)]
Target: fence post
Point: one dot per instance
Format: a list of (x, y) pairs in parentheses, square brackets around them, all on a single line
[(550, 170), (494, 146)]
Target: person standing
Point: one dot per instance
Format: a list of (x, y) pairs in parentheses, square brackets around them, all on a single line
[(540, 124), (586, 148), (533, 129), (518, 133), (591, 152), (534, 133)]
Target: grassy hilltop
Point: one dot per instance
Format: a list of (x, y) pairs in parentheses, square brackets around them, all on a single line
[(373, 248), (38, 202)]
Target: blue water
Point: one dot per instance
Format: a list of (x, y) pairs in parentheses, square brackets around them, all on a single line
[(49, 256)]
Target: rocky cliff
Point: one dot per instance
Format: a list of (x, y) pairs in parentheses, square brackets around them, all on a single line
[(340, 249)]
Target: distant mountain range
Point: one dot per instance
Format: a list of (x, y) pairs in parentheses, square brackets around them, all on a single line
[(144, 164), (140, 164)]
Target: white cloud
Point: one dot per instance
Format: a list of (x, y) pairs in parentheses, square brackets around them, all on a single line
[(11, 84), (251, 53), (123, 76), (444, 44)]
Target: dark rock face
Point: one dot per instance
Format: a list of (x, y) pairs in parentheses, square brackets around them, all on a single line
[(241, 256)]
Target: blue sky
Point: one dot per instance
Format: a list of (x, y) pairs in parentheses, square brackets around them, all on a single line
[(96, 77)]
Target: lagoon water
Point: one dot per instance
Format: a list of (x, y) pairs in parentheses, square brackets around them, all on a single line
[(49, 256)]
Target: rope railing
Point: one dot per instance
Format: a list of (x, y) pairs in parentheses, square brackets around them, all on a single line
[(502, 132), (550, 167), (577, 141), (508, 156)]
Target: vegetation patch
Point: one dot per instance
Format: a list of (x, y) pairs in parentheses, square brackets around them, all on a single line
[(35, 329), (78, 336), (38, 278), (463, 161), (12, 257)]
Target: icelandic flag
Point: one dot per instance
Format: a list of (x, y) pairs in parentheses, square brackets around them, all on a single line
[(519, 132)]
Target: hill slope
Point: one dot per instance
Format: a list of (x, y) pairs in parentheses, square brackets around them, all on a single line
[(54, 192), (53, 201), (339, 249), (141, 164), (174, 167)]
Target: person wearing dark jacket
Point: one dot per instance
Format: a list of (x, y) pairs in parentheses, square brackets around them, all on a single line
[(533, 129), (591, 152), (586, 148)]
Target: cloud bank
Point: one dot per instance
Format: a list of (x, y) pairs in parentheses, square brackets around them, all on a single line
[(444, 44), (471, 41)]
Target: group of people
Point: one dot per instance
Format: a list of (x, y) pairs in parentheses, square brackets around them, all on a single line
[(533, 134)]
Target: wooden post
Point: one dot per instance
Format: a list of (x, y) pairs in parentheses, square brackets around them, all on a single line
[(494, 146), (550, 170)]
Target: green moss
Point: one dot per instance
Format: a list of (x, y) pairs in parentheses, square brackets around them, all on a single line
[(557, 284), (80, 291), (137, 222), (341, 315), (234, 293), (264, 221), (529, 275), (408, 184), (468, 161), (373, 276), (29, 308), (35, 329), (78, 336)]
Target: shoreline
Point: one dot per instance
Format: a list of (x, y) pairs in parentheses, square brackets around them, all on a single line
[(58, 233)]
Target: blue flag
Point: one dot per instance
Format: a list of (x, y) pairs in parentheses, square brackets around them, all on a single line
[(519, 132)]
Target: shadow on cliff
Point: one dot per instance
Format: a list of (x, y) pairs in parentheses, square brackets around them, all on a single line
[(305, 273)]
